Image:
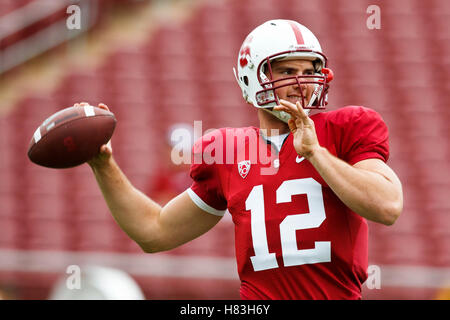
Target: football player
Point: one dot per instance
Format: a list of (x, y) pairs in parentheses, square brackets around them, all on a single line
[(300, 230)]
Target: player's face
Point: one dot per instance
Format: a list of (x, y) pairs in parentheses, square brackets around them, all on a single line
[(291, 68)]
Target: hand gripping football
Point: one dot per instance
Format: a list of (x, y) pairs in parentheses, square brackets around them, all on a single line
[(71, 137)]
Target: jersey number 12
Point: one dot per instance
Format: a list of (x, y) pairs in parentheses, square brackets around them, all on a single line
[(292, 256)]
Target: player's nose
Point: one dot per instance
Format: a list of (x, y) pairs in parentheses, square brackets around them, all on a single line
[(299, 85)]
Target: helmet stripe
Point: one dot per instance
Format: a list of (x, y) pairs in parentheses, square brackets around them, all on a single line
[(297, 32)]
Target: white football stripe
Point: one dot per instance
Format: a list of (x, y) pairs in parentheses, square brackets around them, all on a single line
[(89, 111), (37, 135), (203, 205), (51, 125)]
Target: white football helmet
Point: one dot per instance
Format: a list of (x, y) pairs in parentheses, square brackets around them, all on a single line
[(280, 40)]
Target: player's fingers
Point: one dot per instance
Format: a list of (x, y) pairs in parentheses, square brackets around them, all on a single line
[(290, 106), (283, 108), (108, 145), (106, 149), (292, 126), (287, 104), (81, 104), (289, 109), (103, 106), (302, 113)]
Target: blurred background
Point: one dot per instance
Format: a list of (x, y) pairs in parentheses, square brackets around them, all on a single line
[(165, 64)]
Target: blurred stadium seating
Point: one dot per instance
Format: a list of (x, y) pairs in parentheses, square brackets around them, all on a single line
[(181, 71)]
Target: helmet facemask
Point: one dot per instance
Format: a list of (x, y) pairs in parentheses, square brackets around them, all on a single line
[(268, 96)]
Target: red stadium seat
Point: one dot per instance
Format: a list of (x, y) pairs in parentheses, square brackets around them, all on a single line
[(43, 234), (9, 234), (8, 6)]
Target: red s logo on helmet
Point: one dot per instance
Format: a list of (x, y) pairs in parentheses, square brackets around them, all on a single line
[(243, 56), (245, 51)]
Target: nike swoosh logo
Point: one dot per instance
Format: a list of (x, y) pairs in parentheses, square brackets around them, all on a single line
[(298, 159)]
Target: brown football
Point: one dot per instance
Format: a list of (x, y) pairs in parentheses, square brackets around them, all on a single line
[(71, 136)]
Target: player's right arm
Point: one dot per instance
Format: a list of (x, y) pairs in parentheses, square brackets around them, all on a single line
[(152, 227)]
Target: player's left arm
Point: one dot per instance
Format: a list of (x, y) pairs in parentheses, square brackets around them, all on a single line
[(369, 187)]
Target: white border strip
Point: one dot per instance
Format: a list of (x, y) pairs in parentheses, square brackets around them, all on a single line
[(193, 267), (159, 265), (415, 276), (203, 205)]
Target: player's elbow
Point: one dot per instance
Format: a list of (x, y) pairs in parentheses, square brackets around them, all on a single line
[(388, 208), (391, 212)]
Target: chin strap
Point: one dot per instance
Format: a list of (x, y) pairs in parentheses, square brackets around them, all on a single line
[(283, 116)]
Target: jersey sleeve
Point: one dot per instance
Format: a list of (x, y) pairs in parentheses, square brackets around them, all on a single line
[(206, 189), (363, 135)]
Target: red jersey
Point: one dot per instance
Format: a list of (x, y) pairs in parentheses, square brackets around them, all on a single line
[(294, 238)]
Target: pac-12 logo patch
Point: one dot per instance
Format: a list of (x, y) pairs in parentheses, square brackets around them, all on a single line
[(244, 168)]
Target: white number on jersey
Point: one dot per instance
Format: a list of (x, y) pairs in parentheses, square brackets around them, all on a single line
[(292, 256)]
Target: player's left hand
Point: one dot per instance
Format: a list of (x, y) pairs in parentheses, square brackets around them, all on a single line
[(302, 128)]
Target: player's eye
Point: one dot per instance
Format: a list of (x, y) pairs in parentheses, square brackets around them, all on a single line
[(287, 71)]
